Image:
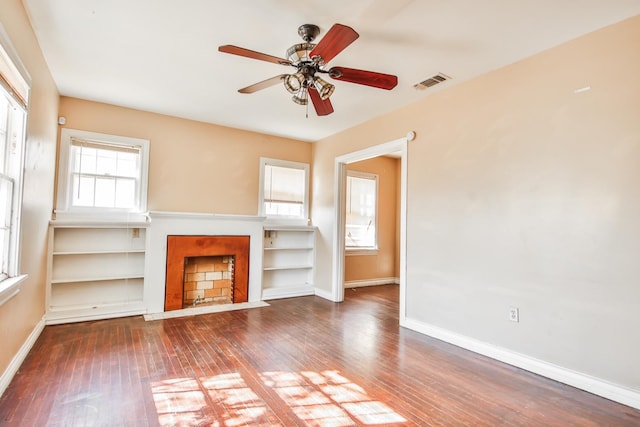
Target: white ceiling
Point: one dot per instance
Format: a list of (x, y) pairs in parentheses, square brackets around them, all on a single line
[(161, 55)]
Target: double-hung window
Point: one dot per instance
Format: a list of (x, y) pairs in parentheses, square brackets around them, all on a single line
[(14, 96), (284, 190), (361, 211), (102, 173)]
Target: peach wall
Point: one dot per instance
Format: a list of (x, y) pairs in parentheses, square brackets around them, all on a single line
[(382, 265), (20, 315), (193, 166), (522, 193)]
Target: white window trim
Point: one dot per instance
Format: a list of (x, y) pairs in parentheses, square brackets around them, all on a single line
[(372, 250), (65, 211), (15, 59), (353, 251), (264, 161), (10, 286)]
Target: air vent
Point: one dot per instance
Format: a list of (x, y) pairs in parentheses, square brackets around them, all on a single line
[(431, 81)]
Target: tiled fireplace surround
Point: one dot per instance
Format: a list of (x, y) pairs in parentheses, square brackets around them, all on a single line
[(166, 224), (181, 249)]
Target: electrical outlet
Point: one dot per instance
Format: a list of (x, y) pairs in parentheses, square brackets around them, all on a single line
[(514, 314)]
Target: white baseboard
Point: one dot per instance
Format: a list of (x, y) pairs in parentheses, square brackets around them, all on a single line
[(287, 292), (17, 360), (57, 317), (328, 295), (615, 392), (372, 282)]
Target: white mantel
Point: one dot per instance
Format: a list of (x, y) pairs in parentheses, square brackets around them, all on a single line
[(164, 224)]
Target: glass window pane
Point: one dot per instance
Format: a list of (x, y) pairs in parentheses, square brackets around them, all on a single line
[(127, 165), (284, 184), (114, 176), (106, 162), (83, 189), (284, 209), (6, 196), (360, 212), (12, 135), (4, 118), (125, 193), (4, 114), (4, 252), (284, 191), (105, 192), (17, 122), (85, 160)]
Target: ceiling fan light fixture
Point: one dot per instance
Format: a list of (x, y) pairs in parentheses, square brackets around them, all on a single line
[(293, 82), (299, 52), (324, 88), (301, 98)]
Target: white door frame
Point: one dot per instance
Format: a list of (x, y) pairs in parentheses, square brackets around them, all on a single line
[(398, 145)]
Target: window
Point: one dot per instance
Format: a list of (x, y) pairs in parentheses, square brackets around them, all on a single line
[(14, 97), (284, 189), (361, 210), (102, 173)]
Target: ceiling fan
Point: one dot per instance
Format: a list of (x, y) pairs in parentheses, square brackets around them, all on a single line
[(309, 60)]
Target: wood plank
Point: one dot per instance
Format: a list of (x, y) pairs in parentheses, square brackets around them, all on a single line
[(301, 361)]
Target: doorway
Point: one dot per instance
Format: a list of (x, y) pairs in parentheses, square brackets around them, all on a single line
[(398, 147)]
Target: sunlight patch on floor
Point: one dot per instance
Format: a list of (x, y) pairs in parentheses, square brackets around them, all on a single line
[(187, 401), (316, 398), (330, 397)]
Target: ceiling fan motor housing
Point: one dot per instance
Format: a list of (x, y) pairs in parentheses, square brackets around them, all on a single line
[(308, 32)]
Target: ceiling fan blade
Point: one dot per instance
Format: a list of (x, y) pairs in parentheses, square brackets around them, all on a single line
[(362, 77), (323, 108), (263, 84), (235, 50), (335, 41)]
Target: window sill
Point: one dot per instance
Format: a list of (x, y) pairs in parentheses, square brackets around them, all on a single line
[(138, 219), (360, 251), (10, 287), (296, 222)]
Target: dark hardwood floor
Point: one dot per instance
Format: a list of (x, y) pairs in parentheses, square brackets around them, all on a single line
[(302, 361)]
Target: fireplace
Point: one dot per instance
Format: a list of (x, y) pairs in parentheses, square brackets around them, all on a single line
[(208, 280), (184, 251)]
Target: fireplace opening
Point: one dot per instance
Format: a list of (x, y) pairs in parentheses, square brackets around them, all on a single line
[(184, 252), (208, 280)]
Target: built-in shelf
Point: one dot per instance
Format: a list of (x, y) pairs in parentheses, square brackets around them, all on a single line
[(288, 261), (288, 267), (301, 248), (135, 251), (68, 314), (97, 279), (96, 271)]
